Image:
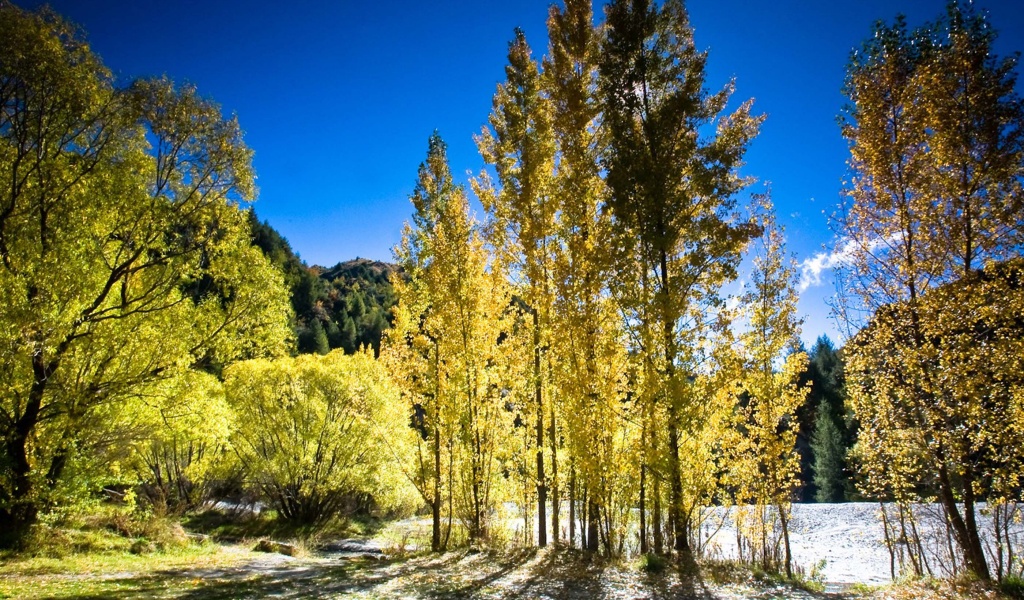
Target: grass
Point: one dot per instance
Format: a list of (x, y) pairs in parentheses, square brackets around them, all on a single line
[(108, 573), (959, 588), (212, 572), (1012, 587), (733, 572), (865, 589)]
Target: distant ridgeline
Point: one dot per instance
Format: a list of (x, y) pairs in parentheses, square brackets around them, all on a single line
[(346, 306)]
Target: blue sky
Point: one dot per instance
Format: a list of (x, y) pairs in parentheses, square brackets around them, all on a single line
[(338, 98)]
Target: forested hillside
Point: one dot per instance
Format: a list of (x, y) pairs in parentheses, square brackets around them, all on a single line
[(346, 306)]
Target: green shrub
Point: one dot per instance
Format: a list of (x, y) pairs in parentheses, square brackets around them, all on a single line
[(1012, 587), (652, 563)]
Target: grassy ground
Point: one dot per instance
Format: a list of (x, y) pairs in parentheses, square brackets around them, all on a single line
[(113, 574)]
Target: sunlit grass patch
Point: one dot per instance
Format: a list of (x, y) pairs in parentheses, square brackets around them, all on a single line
[(102, 574)]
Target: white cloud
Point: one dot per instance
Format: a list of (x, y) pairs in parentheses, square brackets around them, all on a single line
[(811, 268), (732, 302)]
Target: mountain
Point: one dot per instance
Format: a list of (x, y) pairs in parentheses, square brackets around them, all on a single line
[(345, 306)]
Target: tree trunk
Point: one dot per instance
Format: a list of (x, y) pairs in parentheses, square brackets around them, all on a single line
[(643, 511), (593, 515), (542, 491), (659, 542), (890, 544), (965, 532), (675, 509), (572, 506), (22, 510), (583, 518), (784, 520), (15, 523), (555, 508), (451, 488), (976, 550), (477, 464), (435, 507)]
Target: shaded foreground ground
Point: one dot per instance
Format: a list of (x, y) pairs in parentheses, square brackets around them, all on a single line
[(239, 573)]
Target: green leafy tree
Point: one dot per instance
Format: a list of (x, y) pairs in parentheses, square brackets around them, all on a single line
[(672, 184), (124, 256), (182, 451), (319, 433)]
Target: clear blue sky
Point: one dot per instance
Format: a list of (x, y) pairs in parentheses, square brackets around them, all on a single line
[(337, 98)]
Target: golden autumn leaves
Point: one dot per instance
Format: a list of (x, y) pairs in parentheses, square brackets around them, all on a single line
[(575, 349), (934, 225)]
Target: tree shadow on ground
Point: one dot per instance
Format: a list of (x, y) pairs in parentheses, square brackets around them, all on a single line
[(573, 575), (282, 581), (551, 574)]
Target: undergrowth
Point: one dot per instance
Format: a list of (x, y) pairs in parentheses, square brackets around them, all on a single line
[(652, 563), (731, 572), (238, 526), (109, 528), (1012, 587)]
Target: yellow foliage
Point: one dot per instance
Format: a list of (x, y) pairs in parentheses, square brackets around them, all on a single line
[(317, 432)]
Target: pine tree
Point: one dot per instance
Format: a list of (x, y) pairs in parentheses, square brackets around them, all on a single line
[(318, 338), (333, 334), (348, 339), (829, 456), (825, 376)]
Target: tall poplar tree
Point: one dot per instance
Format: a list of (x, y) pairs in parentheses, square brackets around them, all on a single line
[(447, 353), (589, 374), (520, 145), (673, 183), (766, 462), (412, 350)]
